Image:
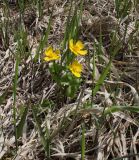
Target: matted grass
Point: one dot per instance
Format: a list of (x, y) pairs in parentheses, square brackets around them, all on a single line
[(48, 113)]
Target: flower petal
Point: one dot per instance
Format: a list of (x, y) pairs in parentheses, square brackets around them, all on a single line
[(82, 52), (51, 55), (76, 74), (79, 44), (77, 65), (77, 48), (48, 50), (76, 68), (72, 47), (47, 59)]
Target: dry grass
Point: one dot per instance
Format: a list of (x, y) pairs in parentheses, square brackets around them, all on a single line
[(107, 137)]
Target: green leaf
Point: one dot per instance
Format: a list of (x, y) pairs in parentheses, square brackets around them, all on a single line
[(112, 109), (71, 90)]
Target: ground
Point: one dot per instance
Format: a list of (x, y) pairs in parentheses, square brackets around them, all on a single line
[(101, 121)]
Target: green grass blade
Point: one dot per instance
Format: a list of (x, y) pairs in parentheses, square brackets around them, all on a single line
[(21, 4), (102, 78), (112, 109), (115, 47), (67, 29), (72, 27), (4, 25), (14, 97), (40, 8), (83, 144), (122, 8), (81, 11), (44, 39), (21, 123), (45, 142), (78, 20)]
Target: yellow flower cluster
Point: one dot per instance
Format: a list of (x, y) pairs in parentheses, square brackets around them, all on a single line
[(50, 54), (76, 68), (76, 48)]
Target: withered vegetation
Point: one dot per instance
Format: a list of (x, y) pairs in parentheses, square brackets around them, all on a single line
[(109, 118)]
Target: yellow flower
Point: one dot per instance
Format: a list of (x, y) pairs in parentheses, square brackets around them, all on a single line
[(51, 55), (77, 48), (76, 68)]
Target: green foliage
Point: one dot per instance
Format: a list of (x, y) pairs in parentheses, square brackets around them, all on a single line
[(22, 43), (47, 103), (123, 8), (45, 140), (44, 40), (14, 97), (113, 109), (21, 124), (66, 81), (4, 25), (83, 143)]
